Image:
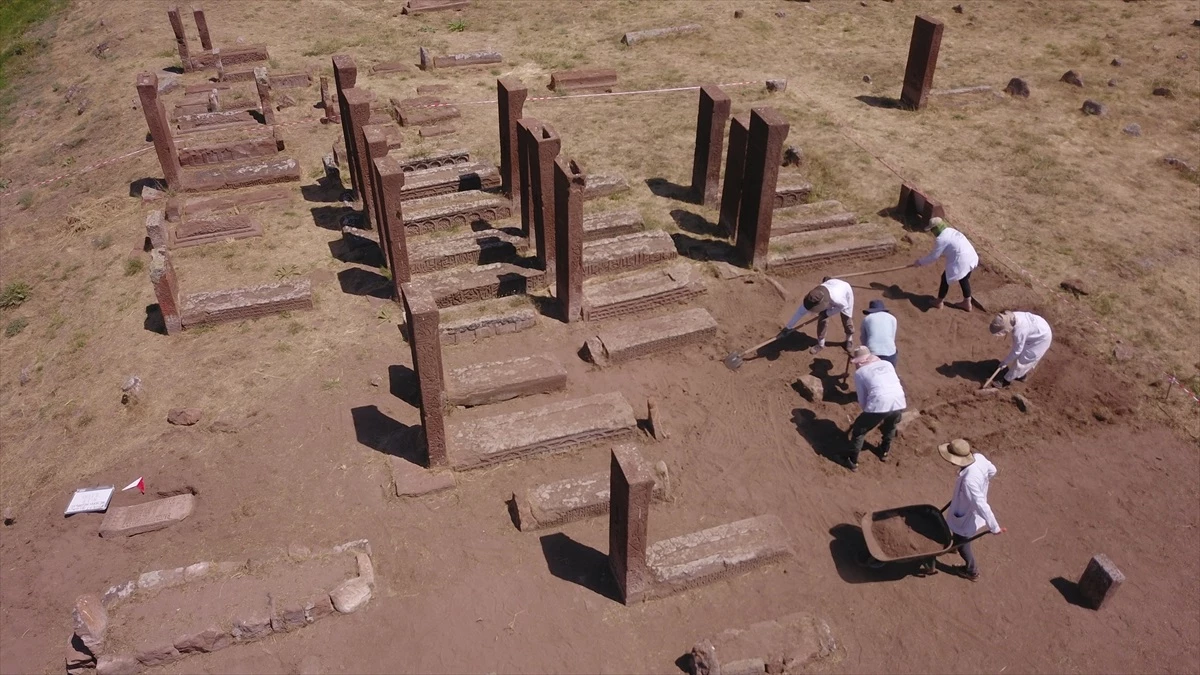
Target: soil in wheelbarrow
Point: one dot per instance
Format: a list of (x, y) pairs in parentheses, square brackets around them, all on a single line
[(902, 535)]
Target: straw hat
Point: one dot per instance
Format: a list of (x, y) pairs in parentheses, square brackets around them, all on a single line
[(957, 452), (1002, 323), (860, 355)]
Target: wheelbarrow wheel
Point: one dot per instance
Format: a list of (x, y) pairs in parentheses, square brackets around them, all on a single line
[(864, 559)]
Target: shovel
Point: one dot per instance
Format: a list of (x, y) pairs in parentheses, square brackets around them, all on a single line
[(736, 359)]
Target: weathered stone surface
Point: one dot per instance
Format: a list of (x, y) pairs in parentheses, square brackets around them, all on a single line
[(196, 154), (422, 318), (212, 229), (611, 224), (460, 286), (297, 80), (712, 114), (631, 484), (1100, 581), (118, 664), (803, 251), (627, 252), (240, 175), (735, 168), (1177, 163), (78, 658), (572, 499), (90, 621), (777, 85), (555, 427), (1017, 87), (463, 325), (158, 656), (184, 416), (411, 480), (429, 254), (717, 553), (923, 51), (600, 185), (320, 605), (591, 80), (625, 342), (917, 208), (658, 421), (387, 67), (811, 388), (634, 37), (422, 6), (251, 302), (126, 521), (481, 58), (1133, 129), (435, 131), (764, 153), (1072, 78), (1076, 286), (1162, 91), (351, 595), (423, 111), (253, 625), (438, 158), (178, 207), (459, 209), (791, 190), (787, 222), (633, 293), (484, 383), (1091, 107), (161, 579), (446, 180), (211, 639), (366, 568), (791, 644)]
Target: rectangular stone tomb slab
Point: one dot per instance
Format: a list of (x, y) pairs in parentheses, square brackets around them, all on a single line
[(422, 111), (291, 80), (796, 253), (213, 119), (785, 223), (633, 293), (411, 480), (422, 6), (477, 321), (610, 224), (590, 80), (250, 302), (245, 174), (437, 159), (126, 521), (178, 207), (791, 191), (447, 180), (387, 67), (229, 151), (232, 56), (566, 501), (714, 554), (198, 231), (458, 209), (433, 253), (460, 286), (600, 185), (624, 342), (627, 252), (790, 644), (468, 59), (205, 87), (552, 428), (484, 383), (440, 130), (634, 37)]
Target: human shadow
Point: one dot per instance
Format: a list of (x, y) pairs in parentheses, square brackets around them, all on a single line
[(154, 322), (357, 281), (402, 383), (330, 217), (836, 384), (826, 438), (972, 371), (580, 564), (381, 433), (886, 102), (352, 248), (662, 187), (792, 342), (921, 301), (1070, 591), (855, 565), (703, 249), (696, 224)]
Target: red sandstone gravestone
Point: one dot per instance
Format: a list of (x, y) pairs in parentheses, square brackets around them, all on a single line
[(543, 146), (160, 129), (569, 179), (425, 341), (357, 115), (389, 177), (922, 59), (631, 490), (345, 76), (202, 27), (735, 168), (710, 137), (510, 98), (764, 152)]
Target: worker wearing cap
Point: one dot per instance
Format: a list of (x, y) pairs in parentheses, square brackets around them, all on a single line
[(879, 331), (881, 398), (1031, 338), (968, 509), (961, 259), (833, 296)]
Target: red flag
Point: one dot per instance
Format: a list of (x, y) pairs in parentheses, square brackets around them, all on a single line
[(140, 484)]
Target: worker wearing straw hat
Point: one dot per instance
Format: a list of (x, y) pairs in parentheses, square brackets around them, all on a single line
[(833, 296), (961, 259), (881, 397), (1031, 338), (969, 510)]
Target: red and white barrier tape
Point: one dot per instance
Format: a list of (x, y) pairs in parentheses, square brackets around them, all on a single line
[(1177, 383)]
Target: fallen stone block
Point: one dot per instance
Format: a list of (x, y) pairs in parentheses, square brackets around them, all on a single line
[(552, 428), (422, 6), (126, 521), (803, 251), (211, 639), (423, 111), (484, 383), (411, 480), (573, 499), (198, 231), (717, 553), (251, 302), (483, 58), (634, 339), (627, 252), (611, 224), (184, 416), (811, 388), (600, 185), (177, 207), (460, 286), (440, 158), (430, 254), (458, 209), (791, 191), (282, 170), (90, 621), (447, 180), (634, 37), (591, 80), (1100, 581), (633, 293), (792, 644)]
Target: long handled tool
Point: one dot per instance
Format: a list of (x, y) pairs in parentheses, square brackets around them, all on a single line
[(735, 359), (989, 380), (863, 274)]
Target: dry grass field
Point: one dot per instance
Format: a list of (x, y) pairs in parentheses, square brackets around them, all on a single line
[(1039, 186)]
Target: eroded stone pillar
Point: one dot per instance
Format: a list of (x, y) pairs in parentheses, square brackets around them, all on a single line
[(202, 27), (527, 132), (711, 118), (569, 183), (263, 84), (425, 340), (160, 129), (327, 102), (388, 176), (355, 115), (537, 196), (180, 39), (922, 59), (345, 76), (631, 486), (764, 152), (166, 289), (376, 147), (510, 96), (735, 167)]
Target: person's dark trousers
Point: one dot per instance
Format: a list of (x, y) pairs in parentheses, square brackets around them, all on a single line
[(867, 421), (967, 554), (890, 358), (847, 325), (963, 283)]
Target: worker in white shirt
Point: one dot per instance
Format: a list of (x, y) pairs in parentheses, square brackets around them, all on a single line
[(833, 296), (968, 509), (1031, 338), (881, 398), (879, 331), (961, 259)]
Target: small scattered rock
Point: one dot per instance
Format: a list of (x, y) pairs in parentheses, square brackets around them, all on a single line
[(9, 516), (737, 13), (168, 84), (1023, 404), (285, 101), (184, 417), (224, 427), (1133, 129), (1123, 353), (958, 9), (376, 381), (776, 85), (1112, 83), (150, 194), (1017, 87), (1102, 414), (1117, 62), (658, 423), (1073, 78), (25, 376), (131, 391), (867, 79), (90, 620), (1091, 107), (793, 156), (811, 388), (1182, 56), (350, 595), (1077, 286), (1162, 91), (781, 14), (1176, 163)]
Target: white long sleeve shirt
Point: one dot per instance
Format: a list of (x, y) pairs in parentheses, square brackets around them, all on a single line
[(878, 388), (841, 298), (961, 257), (1031, 338), (969, 509)]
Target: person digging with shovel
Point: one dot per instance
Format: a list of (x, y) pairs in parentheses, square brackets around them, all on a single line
[(833, 296), (881, 397), (968, 509), (1031, 338), (961, 259)]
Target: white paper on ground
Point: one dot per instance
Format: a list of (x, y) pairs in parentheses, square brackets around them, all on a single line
[(90, 499)]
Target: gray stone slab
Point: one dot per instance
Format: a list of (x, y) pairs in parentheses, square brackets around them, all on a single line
[(627, 252), (601, 185), (717, 553), (250, 302), (552, 428), (803, 251), (790, 644), (630, 340), (433, 253), (640, 291), (633, 37), (480, 320), (610, 224), (126, 521), (566, 501), (484, 383), (448, 211), (463, 285)]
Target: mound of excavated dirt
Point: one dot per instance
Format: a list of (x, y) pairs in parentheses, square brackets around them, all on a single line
[(905, 534)]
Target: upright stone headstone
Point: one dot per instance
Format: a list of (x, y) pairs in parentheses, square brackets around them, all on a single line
[(510, 96), (735, 167), (547, 145), (345, 76), (166, 289), (327, 102), (263, 84), (631, 486), (356, 113), (180, 38), (375, 145), (764, 152), (527, 132), (160, 129), (425, 340), (569, 183), (922, 59), (1099, 581), (388, 174), (202, 26), (710, 137)]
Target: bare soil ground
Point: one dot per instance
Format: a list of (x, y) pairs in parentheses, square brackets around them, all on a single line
[(301, 453)]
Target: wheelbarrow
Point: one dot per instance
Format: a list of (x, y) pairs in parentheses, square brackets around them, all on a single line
[(926, 521)]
